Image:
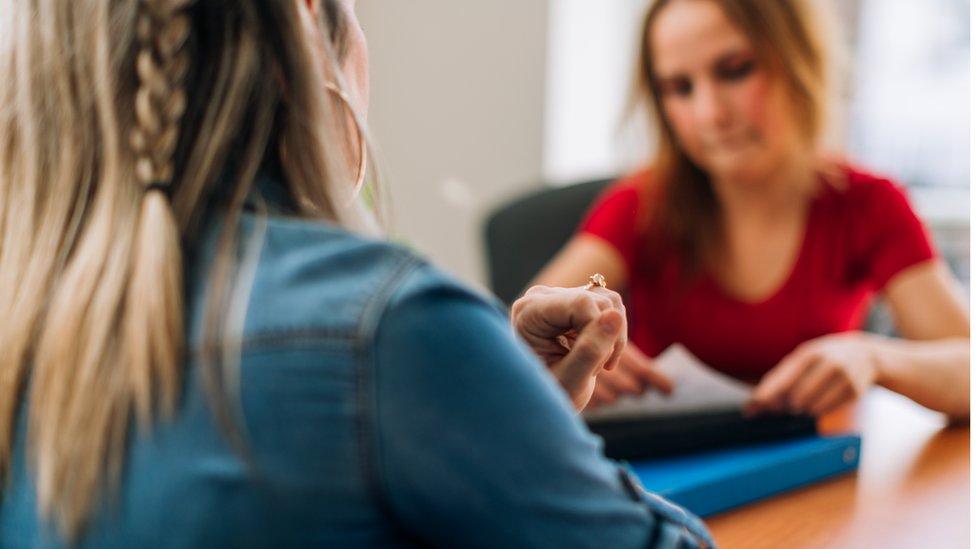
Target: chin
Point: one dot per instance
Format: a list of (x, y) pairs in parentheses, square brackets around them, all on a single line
[(738, 170)]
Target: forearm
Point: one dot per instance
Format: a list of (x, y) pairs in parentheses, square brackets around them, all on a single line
[(934, 374), (582, 257)]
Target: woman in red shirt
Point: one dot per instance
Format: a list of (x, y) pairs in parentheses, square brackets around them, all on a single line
[(744, 244)]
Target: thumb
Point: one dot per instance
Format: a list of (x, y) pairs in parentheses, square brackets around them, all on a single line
[(771, 389), (591, 350)]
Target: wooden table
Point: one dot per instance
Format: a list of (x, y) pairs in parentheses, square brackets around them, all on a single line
[(911, 489)]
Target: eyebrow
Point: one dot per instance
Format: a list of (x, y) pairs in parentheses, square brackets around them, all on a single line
[(724, 57)]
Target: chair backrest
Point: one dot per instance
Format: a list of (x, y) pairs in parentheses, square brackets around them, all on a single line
[(521, 236)]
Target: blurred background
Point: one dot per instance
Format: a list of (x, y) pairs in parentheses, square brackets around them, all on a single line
[(476, 103)]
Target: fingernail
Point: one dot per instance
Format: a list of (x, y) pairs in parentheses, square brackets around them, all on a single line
[(610, 323)]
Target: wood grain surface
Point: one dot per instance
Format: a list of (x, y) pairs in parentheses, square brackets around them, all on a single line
[(911, 489)]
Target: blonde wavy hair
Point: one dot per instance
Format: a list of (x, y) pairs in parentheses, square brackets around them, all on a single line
[(123, 124)]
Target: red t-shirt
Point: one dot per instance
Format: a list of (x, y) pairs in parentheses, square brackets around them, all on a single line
[(858, 237)]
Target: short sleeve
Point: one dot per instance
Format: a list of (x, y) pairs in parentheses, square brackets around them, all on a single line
[(893, 237), (614, 219), (476, 445)]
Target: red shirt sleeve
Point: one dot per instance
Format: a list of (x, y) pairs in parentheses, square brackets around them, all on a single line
[(894, 238), (613, 218)]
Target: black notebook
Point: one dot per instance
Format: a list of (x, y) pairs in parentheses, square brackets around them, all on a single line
[(691, 432), (704, 412)]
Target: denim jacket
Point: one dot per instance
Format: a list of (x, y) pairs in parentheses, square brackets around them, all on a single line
[(383, 404)]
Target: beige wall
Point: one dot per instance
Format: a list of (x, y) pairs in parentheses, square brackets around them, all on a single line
[(457, 109)]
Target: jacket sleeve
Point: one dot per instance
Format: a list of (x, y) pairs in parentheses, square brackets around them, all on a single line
[(474, 444)]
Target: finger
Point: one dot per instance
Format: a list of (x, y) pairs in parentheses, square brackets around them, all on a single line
[(775, 405), (549, 316), (591, 350), (830, 399), (608, 397), (618, 304), (621, 382), (614, 297), (537, 289), (819, 377), (559, 312), (527, 298), (601, 395), (658, 380), (618, 348), (645, 369), (774, 385)]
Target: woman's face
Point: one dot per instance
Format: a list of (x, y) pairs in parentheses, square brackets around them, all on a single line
[(729, 114)]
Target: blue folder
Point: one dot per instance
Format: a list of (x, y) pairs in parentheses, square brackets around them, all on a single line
[(716, 481)]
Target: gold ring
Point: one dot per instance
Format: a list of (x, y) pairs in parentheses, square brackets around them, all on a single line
[(596, 279)]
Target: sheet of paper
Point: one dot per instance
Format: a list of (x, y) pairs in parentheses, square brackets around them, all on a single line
[(696, 388)]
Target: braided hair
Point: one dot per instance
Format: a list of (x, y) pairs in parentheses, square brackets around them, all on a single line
[(162, 30)]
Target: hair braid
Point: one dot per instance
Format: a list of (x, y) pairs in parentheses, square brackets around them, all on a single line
[(162, 31)]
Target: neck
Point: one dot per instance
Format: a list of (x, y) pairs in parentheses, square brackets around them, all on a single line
[(781, 193)]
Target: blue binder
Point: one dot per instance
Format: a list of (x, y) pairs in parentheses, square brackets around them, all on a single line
[(713, 482)]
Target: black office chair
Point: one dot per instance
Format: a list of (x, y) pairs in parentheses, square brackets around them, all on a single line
[(521, 236)]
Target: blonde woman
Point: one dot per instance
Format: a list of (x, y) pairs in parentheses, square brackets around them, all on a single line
[(744, 243), (201, 345)]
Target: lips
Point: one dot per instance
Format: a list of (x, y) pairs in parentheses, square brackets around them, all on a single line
[(731, 141)]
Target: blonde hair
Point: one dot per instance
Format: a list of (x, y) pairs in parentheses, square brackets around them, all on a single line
[(121, 121), (793, 38)]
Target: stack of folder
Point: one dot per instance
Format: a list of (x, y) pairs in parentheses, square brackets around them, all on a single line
[(696, 448)]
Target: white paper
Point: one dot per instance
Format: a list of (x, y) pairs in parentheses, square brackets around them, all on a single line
[(696, 388)]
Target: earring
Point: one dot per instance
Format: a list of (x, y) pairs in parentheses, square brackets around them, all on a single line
[(347, 103)]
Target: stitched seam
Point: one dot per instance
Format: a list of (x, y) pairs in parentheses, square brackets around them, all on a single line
[(365, 366), (285, 338)]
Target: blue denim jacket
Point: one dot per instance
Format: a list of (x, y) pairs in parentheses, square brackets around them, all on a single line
[(384, 404)]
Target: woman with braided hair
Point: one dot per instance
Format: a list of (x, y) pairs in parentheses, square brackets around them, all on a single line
[(205, 342)]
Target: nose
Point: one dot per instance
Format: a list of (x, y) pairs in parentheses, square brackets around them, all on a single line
[(710, 105)]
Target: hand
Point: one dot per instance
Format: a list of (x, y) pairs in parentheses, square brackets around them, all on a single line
[(635, 374), (575, 331), (819, 376)]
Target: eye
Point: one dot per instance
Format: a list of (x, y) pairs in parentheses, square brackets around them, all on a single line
[(736, 69), (678, 86)]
